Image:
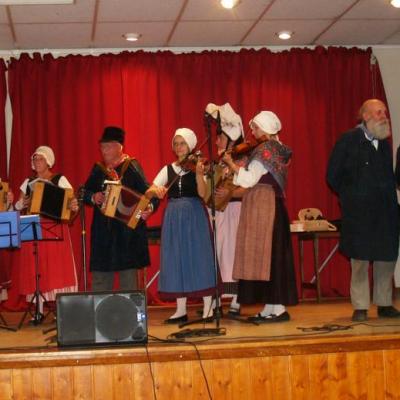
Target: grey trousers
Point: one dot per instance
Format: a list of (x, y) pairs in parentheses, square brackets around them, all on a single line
[(382, 281), (105, 280)]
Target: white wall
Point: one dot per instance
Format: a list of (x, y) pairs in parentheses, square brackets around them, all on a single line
[(389, 64)]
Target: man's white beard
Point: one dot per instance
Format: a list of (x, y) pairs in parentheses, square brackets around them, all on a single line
[(380, 130)]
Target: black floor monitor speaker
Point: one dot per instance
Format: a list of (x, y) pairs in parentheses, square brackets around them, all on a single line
[(101, 318)]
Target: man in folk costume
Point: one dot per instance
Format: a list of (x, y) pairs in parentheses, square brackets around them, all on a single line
[(115, 247), (264, 257), (360, 171)]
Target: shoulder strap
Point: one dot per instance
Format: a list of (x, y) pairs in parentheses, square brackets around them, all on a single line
[(109, 172), (56, 178), (125, 165), (138, 169)]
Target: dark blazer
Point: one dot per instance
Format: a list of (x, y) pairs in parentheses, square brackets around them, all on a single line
[(364, 180), (397, 169), (115, 246)]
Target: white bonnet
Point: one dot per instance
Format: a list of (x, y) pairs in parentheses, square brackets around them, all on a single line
[(188, 135), (231, 123), (47, 153), (267, 121)]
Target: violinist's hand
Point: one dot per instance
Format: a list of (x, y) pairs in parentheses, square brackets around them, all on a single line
[(10, 197), (221, 193), (74, 205), (227, 158), (200, 170), (98, 198), (156, 191)]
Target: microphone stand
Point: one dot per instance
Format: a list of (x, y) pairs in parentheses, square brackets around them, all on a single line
[(217, 309), (82, 218)]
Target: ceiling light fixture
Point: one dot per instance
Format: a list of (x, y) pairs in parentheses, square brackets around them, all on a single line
[(34, 2), (229, 3), (131, 37), (284, 35), (395, 3)]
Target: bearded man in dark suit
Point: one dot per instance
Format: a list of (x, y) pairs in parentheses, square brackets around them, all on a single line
[(360, 171)]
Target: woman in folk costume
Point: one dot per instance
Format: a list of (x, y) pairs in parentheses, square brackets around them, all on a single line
[(264, 257), (227, 221), (186, 260), (56, 259)]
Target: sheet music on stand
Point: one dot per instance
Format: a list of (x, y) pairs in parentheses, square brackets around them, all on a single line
[(46, 229), (27, 228), (10, 233)]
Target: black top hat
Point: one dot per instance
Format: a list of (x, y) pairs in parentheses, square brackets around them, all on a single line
[(113, 134)]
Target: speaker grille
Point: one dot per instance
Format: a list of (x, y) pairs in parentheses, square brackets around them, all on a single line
[(101, 318), (116, 317)]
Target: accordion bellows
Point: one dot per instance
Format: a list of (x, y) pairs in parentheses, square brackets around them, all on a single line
[(124, 204), (51, 200)]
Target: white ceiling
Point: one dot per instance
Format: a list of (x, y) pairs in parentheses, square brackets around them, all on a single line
[(198, 23)]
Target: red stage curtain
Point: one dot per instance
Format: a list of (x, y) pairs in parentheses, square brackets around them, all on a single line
[(66, 102), (3, 95), (4, 259)]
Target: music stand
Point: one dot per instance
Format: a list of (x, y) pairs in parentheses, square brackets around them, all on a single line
[(10, 237), (31, 232), (10, 232)]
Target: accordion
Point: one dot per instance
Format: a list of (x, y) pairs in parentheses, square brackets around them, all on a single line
[(124, 204), (51, 200), (3, 196)]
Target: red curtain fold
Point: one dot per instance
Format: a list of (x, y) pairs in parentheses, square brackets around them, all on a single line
[(4, 254), (66, 102), (3, 146)]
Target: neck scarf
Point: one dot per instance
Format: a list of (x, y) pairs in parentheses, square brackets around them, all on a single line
[(275, 157)]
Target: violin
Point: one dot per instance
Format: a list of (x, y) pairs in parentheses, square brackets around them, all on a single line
[(246, 147), (190, 161)]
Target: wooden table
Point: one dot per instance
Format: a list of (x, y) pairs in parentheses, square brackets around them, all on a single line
[(318, 267)]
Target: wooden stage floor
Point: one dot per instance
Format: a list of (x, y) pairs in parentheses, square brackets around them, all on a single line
[(306, 315), (277, 361)]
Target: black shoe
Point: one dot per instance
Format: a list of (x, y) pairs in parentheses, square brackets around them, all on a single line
[(359, 315), (270, 318), (388, 312), (177, 320), (234, 312), (200, 312)]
